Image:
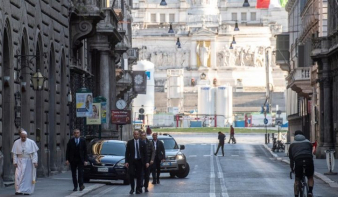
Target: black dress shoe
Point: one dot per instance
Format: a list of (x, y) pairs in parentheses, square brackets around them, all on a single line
[(146, 189), (82, 187), (154, 182), (138, 192), (18, 193), (158, 181), (75, 189), (131, 191)]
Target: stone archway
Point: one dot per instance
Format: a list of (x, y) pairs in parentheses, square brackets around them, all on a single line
[(52, 111), (8, 127)]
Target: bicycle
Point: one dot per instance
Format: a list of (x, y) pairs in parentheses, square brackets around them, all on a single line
[(303, 185), (277, 145)]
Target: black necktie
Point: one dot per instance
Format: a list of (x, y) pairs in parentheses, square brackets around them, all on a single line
[(137, 150)]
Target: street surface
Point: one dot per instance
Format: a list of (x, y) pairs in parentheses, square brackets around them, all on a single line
[(247, 170)]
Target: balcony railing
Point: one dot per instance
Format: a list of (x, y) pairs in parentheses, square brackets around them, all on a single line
[(303, 73)]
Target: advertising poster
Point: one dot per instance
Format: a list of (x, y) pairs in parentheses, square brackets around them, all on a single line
[(95, 118), (104, 112), (121, 117), (84, 104), (140, 82)]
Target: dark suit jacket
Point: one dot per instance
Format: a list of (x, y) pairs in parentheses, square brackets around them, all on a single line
[(160, 152), (71, 146), (130, 152)]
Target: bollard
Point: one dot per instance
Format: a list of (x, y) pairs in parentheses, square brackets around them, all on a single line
[(286, 150), (268, 138), (330, 161)]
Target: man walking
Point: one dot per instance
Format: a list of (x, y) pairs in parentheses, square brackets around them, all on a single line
[(151, 157), (159, 157), (136, 158), (25, 159), (221, 139), (76, 156), (232, 135)]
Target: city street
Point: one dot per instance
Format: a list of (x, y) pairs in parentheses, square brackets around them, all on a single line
[(247, 169)]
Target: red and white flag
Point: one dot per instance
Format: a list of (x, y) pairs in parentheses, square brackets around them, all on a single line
[(263, 4)]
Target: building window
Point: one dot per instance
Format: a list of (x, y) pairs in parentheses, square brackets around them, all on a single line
[(253, 16), (234, 16), (243, 16), (153, 18), (162, 18), (171, 18)]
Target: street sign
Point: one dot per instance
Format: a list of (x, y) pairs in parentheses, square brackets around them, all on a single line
[(141, 110), (279, 121), (266, 121)]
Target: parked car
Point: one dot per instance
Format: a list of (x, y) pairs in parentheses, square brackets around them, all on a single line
[(106, 161), (175, 162)]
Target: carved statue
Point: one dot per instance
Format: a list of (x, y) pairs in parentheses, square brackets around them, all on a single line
[(203, 53), (241, 56), (259, 59)]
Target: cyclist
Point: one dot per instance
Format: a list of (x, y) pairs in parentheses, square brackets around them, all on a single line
[(300, 153)]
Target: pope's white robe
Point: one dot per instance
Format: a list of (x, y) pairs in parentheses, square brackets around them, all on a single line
[(25, 155)]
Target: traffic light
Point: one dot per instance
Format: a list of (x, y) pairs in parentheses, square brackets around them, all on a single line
[(262, 109), (267, 108)]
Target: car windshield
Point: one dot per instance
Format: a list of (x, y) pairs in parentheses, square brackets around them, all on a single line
[(109, 148), (169, 143)]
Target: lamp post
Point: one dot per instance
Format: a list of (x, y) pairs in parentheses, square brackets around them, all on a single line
[(38, 80), (246, 3)]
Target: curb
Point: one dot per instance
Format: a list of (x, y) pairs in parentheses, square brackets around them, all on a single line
[(316, 174), (86, 190)]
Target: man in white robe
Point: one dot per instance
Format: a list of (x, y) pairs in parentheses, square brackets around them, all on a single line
[(25, 159)]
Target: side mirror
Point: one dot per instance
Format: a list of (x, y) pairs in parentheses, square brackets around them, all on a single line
[(182, 147)]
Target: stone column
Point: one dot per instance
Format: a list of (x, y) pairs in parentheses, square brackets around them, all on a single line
[(104, 83), (193, 60), (213, 54), (328, 134)]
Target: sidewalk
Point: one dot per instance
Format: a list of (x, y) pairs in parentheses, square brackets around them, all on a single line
[(54, 186), (320, 166)]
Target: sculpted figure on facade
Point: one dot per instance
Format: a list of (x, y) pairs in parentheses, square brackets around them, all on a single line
[(223, 57), (259, 59), (203, 54), (249, 56)]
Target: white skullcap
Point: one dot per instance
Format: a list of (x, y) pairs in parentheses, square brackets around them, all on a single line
[(24, 132)]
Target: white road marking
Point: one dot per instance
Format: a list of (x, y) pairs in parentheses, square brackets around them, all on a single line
[(206, 155), (86, 190), (104, 192), (234, 155), (212, 173), (192, 155), (220, 171)]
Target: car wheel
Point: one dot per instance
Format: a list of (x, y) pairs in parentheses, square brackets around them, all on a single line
[(86, 179), (126, 182), (172, 174), (184, 173)]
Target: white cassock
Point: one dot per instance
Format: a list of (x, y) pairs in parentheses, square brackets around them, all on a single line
[(25, 155)]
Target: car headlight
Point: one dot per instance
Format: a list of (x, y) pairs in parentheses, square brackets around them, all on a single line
[(120, 164), (179, 157)]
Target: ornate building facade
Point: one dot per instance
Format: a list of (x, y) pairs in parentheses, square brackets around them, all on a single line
[(74, 44), (229, 43)]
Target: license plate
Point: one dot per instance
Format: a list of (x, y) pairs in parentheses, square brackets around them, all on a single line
[(102, 169), (166, 164)]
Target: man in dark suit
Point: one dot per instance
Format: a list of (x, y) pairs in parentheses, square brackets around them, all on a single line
[(136, 158), (76, 156), (151, 157), (159, 157)]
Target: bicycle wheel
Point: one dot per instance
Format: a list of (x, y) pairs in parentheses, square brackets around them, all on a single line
[(304, 190)]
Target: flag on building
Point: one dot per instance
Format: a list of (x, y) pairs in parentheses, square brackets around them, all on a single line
[(283, 3), (263, 4)]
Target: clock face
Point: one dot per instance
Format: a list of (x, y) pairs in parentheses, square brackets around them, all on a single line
[(138, 79), (121, 104)]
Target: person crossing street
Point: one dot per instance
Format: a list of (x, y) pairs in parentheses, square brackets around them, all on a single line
[(221, 139)]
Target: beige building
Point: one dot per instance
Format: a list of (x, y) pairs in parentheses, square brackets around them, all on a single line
[(229, 43)]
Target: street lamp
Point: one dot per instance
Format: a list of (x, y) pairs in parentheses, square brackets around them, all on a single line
[(246, 3), (163, 3), (171, 31), (231, 47), (38, 80), (233, 40), (178, 43), (236, 27)]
